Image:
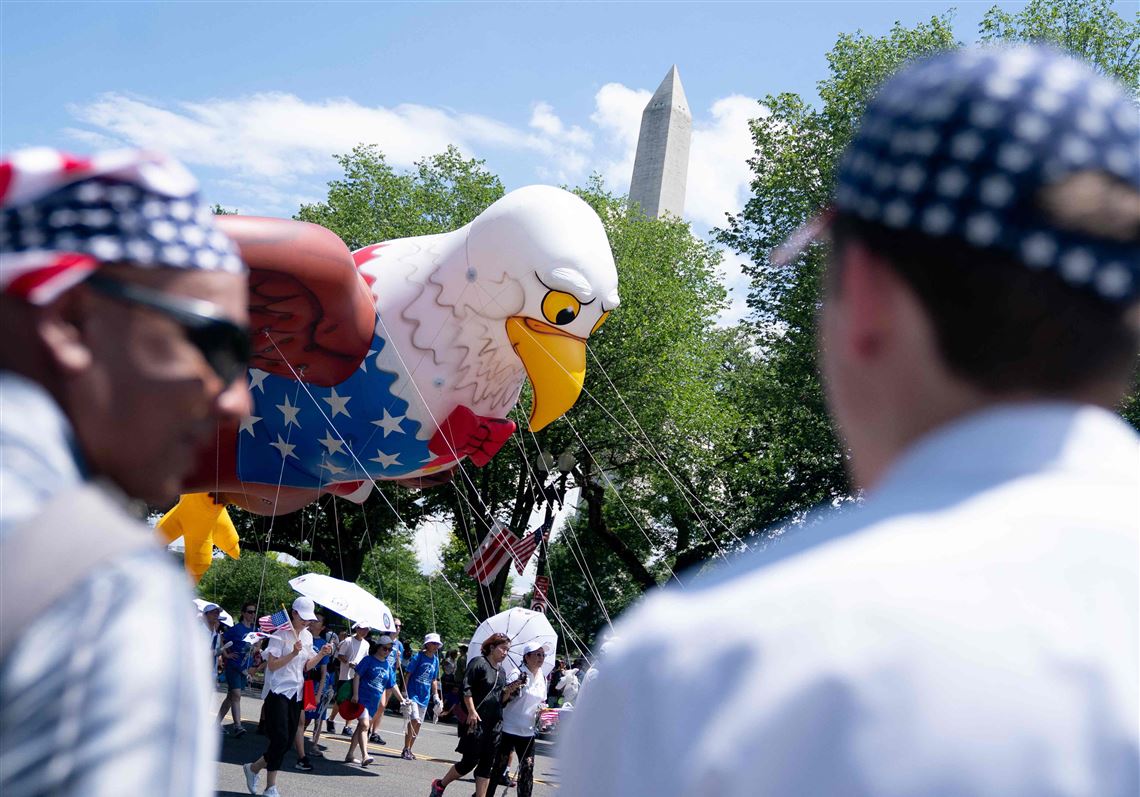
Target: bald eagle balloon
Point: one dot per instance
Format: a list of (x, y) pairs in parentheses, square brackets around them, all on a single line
[(401, 359)]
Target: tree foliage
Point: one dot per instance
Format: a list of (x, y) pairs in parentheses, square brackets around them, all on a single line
[(1089, 29)]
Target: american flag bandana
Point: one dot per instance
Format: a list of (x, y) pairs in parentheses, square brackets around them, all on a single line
[(61, 216), (275, 622)]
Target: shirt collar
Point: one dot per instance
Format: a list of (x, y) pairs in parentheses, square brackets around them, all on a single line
[(1015, 439)]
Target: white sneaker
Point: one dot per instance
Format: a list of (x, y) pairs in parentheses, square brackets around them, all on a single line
[(251, 778), (272, 792)]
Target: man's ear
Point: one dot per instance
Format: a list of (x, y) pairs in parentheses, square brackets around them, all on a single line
[(867, 287), (62, 326)]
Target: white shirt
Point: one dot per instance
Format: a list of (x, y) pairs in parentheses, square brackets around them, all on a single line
[(63, 726), (971, 630), (354, 650), (290, 679), (519, 714)]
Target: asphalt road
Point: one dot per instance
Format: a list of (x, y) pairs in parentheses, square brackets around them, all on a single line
[(388, 776)]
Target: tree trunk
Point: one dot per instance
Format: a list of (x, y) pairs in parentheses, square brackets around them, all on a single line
[(596, 523)]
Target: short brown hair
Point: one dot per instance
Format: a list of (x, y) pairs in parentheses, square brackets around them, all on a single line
[(493, 641), (1000, 325)]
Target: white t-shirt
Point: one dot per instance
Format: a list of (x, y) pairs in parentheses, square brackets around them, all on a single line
[(354, 650), (972, 629), (519, 714), (290, 679)]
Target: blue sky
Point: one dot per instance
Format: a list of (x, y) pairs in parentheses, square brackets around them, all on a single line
[(256, 97)]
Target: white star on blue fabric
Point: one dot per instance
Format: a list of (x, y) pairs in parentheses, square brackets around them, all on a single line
[(390, 424), (257, 379), (339, 404), (247, 424), (387, 460), (285, 449), (332, 444), (290, 413)]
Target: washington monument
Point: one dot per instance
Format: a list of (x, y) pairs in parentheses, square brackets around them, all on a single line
[(662, 162)]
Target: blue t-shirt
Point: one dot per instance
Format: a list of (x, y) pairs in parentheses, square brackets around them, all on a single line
[(396, 654), (238, 646), (422, 670), (376, 675)]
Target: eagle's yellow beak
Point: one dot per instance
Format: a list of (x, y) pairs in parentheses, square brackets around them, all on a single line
[(555, 362)]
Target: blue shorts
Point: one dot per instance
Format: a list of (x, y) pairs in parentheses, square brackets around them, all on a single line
[(235, 679)]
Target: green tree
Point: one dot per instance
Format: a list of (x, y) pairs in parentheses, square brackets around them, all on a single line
[(1089, 29), (231, 582), (373, 202), (790, 458)]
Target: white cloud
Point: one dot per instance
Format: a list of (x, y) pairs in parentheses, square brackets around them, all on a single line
[(269, 152), (718, 161)]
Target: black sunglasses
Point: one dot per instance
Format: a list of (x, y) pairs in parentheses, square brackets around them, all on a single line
[(224, 344)]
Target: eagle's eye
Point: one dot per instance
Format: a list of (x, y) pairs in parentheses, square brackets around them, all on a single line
[(560, 308)]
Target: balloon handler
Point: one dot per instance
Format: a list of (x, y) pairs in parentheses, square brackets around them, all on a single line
[(400, 359)]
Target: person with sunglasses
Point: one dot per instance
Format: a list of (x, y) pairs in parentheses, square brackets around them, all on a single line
[(236, 662), (395, 660), (123, 318)]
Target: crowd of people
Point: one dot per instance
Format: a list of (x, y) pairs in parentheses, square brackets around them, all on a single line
[(314, 676), (970, 628)]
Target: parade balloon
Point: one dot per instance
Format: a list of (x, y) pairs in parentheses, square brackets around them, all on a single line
[(401, 359)]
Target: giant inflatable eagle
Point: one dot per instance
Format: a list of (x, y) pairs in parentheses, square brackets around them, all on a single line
[(400, 359)]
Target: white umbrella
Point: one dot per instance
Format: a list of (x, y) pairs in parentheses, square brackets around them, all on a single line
[(522, 626), (223, 616), (346, 599)]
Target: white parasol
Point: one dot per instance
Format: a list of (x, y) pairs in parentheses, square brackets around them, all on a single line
[(346, 599), (522, 626), (223, 617)]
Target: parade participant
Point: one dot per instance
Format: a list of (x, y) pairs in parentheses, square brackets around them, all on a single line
[(236, 660), (971, 627), (315, 676), (422, 689), (289, 655), (212, 621), (325, 687), (122, 315), (394, 659), (350, 650), (375, 679), (519, 716), (484, 692)]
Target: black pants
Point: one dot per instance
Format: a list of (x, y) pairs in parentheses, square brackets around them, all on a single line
[(479, 756), (281, 717), (523, 748)]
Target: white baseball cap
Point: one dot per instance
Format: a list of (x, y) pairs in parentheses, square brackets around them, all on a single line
[(305, 608), (211, 607), (384, 640), (532, 646), (433, 638)]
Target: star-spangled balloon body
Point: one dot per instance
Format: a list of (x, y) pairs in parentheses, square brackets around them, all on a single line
[(350, 432)]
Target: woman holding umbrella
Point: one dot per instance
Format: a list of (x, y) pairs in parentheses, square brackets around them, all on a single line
[(484, 694), (518, 720)]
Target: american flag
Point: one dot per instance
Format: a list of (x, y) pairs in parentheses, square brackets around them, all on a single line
[(538, 600), (353, 432), (274, 622), (496, 549), (523, 549)]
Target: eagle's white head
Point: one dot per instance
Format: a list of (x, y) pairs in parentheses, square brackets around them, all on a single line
[(525, 283)]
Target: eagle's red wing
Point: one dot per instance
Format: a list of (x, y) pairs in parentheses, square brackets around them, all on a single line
[(309, 308)]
